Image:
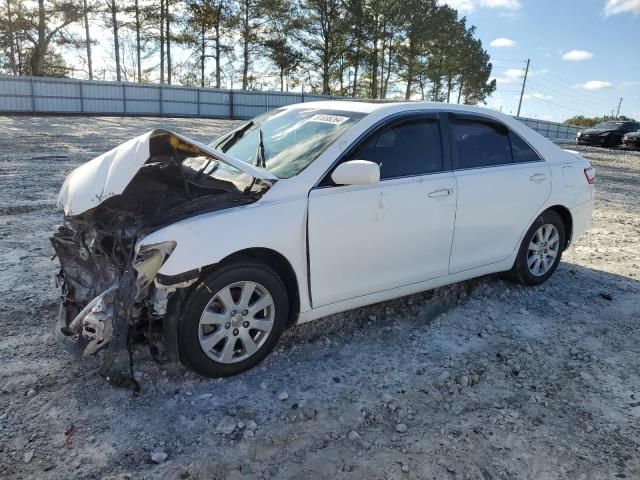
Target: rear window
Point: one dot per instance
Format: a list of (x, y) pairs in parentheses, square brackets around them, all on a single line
[(480, 144)]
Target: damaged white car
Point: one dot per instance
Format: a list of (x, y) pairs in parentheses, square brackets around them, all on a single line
[(207, 253)]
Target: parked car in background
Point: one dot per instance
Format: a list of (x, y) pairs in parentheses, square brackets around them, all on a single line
[(303, 212), (607, 134), (631, 141)]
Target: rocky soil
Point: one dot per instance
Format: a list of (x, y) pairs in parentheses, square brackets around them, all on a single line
[(480, 380)]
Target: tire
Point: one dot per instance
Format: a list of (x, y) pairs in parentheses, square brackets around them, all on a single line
[(523, 271), (218, 301)]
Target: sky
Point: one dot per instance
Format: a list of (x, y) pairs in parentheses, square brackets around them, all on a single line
[(585, 54)]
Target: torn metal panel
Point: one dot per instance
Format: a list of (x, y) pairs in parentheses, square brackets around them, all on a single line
[(111, 295)]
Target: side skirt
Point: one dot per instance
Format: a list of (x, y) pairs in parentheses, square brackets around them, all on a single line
[(385, 295)]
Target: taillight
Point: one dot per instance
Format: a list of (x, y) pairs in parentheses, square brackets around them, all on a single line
[(590, 174)]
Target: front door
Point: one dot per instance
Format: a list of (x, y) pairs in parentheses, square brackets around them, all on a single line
[(367, 239)]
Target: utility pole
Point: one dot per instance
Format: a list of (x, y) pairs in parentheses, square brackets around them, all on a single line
[(87, 38), (524, 82), (618, 112)]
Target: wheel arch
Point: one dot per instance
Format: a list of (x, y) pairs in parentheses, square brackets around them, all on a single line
[(567, 220), (278, 263)]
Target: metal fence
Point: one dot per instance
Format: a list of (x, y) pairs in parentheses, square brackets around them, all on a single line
[(90, 97), (551, 130)]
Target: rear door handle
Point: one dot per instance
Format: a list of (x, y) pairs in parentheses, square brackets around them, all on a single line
[(445, 192), (538, 177)]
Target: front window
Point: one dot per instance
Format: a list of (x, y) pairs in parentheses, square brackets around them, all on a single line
[(291, 138)]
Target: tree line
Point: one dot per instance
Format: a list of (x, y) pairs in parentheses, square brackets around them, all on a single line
[(582, 121), (361, 48)]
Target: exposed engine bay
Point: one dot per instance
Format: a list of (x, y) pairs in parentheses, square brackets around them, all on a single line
[(112, 295)]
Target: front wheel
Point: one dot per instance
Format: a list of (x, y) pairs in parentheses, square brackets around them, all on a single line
[(540, 251), (232, 320)]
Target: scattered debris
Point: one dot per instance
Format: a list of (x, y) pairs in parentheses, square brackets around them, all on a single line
[(283, 396), (158, 456), (68, 435), (227, 425)]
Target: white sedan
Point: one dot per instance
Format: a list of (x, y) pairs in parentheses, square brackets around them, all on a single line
[(208, 252)]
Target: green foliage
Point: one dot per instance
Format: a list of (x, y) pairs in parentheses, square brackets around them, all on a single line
[(361, 48), (587, 122), (30, 32)]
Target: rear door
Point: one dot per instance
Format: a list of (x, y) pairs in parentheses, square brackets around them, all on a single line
[(502, 183)]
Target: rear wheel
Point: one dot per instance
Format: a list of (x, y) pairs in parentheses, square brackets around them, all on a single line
[(540, 251), (233, 319)]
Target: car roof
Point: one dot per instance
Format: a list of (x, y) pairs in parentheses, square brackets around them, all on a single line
[(345, 105), (378, 111), (370, 107)]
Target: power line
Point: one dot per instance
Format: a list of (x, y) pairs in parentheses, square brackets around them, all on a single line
[(540, 84), (569, 95), (560, 105), (514, 60), (584, 110), (559, 80)]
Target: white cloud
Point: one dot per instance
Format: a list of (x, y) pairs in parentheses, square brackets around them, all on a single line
[(630, 84), (502, 43), (613, 7), (470, 5), (515, 75), (514, 72), (538, 95), (506, 4), (594, 85), (577, 55), (461, 5), (512, 75)]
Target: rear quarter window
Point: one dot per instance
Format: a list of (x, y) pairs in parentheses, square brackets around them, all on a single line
[(521, 151)]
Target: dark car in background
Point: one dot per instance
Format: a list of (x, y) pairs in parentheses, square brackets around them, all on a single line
[(607, 134), (631, 141)]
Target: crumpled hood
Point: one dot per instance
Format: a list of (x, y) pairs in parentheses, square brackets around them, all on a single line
[(108, 174)]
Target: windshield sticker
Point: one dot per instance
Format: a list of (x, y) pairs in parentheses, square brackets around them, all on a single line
[(332, 119)]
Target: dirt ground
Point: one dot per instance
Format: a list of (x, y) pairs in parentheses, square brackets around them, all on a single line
[(480, 380)]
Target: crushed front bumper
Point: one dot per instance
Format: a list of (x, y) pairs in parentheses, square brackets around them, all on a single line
[(102, 325)]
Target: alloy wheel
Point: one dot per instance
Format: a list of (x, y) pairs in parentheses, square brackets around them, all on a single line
[(543, 250), (236, 322)]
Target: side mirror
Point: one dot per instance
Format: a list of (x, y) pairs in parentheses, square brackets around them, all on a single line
[(356, 172)]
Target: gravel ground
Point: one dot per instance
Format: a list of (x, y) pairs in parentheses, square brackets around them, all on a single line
[(479, 380)]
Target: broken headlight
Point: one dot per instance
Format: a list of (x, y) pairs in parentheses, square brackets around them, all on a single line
[(151, 257)]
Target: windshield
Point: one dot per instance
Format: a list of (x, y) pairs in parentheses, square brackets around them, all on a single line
[(291, 138), (610, 125)]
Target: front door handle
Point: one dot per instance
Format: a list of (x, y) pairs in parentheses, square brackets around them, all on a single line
[(538, 177), (445, 192)]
